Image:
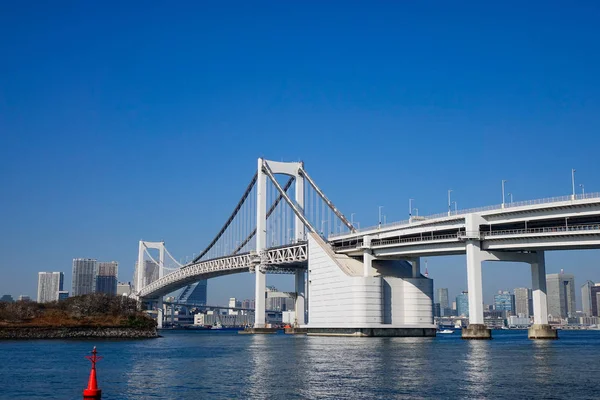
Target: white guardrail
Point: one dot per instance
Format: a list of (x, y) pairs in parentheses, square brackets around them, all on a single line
[(462, 235), (547, 200)]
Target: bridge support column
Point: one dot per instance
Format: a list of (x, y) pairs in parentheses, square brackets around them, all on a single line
[(172, 314), (300, 298), (416, 267), (476, 328), (159, 313), (368, 258), (540, 328), (259, 298)]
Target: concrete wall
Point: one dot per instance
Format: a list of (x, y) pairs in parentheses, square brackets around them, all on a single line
[(340, 297), (336, 299)]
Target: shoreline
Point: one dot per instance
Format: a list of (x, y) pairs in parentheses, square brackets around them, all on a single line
[(76, 332)]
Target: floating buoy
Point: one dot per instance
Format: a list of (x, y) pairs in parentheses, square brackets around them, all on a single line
[(92, 392)]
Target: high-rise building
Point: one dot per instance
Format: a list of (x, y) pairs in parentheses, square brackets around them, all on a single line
[(561, 295), (595, 290), (123, 289), (106, 280), (523, 302), (505, 302), (49, 284), (462, 304), (84, 276), (442, 294), (586, 298), (199, 293), (151, 271), (436, 310), (248, 303)]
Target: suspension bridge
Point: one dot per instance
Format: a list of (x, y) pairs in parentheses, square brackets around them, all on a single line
[(368, 281)]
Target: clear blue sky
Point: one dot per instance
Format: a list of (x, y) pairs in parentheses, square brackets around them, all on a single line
[(144, 120)]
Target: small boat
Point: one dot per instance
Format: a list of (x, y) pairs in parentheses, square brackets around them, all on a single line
[(445, 331), (217, 325)]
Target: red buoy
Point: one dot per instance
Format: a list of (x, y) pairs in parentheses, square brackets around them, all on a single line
[(92, 392)]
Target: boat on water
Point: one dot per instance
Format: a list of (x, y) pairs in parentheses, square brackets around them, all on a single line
[(217, 325), (446, 331)]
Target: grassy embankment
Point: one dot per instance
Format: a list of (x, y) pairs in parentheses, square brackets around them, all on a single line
[(94, 310)]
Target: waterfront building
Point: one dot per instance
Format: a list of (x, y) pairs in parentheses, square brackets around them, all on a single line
[(518, 322), (523, 302), (505, 302), (123, 289), (49, 284), (278, 301), (7, 298), (63, 295), (462, 304), (595, 292), (106, 280), (586, 298), (233, 303), (84, 276), (561, 295)]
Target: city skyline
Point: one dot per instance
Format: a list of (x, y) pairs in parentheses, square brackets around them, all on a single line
[(112, 142)]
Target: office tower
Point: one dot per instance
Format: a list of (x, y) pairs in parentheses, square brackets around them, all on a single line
[(84, 276), (442, 294), (595, 290), (505, 302), (436, 310), (123, 289), (443, 297), (523, 302), (151, 272), (462, 304), (199, 293), (49, 284), (195, 293), (106, 280), (561, 295), (586, 298), (63, 295)]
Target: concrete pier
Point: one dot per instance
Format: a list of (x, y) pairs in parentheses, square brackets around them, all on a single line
[(542, 331), (476, 332), (258, 331), (373, 332)]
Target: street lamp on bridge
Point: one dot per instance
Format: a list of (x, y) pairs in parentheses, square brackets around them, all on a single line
[(449, 203), (573, 183), (503, 197), (380, 207)]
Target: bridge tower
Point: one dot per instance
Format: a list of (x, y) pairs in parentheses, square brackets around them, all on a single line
[(142, 280), (292, 169)]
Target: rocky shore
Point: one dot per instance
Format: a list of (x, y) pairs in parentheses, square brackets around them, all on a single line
[(29, 332)]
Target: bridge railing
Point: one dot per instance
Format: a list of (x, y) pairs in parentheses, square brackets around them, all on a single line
[(573, 228), (558, 199)]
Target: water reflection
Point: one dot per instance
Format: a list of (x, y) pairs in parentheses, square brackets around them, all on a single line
[(477, 369), (543, 359)]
